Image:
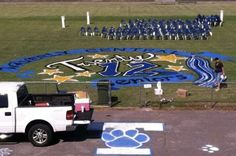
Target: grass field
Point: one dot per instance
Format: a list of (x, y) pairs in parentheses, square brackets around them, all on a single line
[(35, 28)]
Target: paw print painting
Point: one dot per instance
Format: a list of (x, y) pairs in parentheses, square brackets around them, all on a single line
[(5, 151), (210, 149), (125, 138), (118, 138)]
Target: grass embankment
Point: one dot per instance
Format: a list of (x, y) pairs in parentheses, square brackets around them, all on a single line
[(28, 29)]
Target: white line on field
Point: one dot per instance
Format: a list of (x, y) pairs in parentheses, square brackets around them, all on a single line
[(123, 151), (127, 125)]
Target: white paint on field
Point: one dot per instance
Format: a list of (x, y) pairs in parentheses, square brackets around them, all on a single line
[(5, 151), (123, 151), (145, 126), (210, 148), (127, 125)]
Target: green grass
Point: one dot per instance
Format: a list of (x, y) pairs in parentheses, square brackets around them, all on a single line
[(34, 28), (112, 9)]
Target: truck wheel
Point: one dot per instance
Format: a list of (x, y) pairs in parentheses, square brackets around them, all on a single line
[(40, 135)]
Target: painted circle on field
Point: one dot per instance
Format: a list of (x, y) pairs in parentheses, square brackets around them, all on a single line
[(137, 66)]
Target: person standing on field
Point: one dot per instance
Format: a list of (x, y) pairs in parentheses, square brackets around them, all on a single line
[(219, 70)]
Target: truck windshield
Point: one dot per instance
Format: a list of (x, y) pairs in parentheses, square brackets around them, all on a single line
[(22, 94)]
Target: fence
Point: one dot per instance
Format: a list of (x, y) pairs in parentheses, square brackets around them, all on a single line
[(144, 97), (195, 97)]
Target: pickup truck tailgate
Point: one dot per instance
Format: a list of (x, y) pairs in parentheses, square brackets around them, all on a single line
[(83, 117)]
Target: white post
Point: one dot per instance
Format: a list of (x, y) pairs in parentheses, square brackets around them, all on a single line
[(221, 16), (88, 18), (159, 84), (63, 22)]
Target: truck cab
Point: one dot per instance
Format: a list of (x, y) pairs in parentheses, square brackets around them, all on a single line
[(8, 103), (38, 115)]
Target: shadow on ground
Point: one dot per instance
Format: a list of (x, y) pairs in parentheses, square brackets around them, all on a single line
[(82, 133)]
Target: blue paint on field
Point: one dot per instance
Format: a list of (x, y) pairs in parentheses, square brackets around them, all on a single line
[(117, 133), (26, 74), (14, 66), (118, 138), (131, 132), (135, 81), (206, 75)]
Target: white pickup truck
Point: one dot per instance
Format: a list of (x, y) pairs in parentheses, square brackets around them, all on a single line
[(37, 115)]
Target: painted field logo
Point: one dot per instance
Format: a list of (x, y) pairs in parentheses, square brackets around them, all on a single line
[(124, 67), (126, 138), (119, 138)]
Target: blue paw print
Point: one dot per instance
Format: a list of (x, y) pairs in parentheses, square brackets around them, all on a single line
[(124, 138)]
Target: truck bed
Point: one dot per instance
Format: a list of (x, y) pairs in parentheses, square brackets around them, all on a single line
[(50, 99), (53, 100)]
